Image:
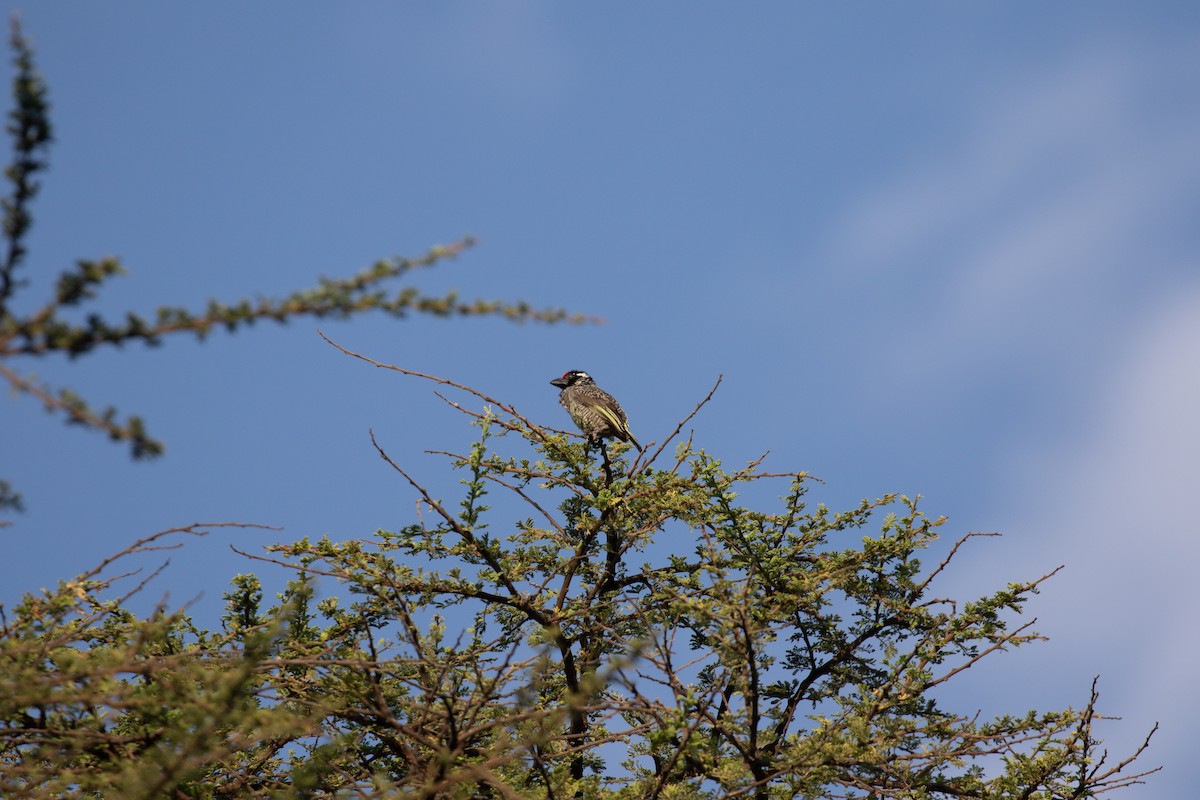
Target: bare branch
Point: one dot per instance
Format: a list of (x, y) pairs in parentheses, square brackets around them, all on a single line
[(682, 423)]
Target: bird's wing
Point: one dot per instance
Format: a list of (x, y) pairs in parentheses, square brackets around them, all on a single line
[(612, 417)]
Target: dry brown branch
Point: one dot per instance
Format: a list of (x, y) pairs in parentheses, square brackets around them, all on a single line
[(533, 429)]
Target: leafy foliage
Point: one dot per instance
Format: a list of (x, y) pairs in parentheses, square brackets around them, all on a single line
[(634, 629), (556, 633)]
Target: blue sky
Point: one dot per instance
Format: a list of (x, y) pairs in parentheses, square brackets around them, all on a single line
[(935, 248)]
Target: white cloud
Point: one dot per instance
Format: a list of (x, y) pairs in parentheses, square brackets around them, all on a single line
[(1042, 200), (1052, 240), (1117, 506), (1118, 503), (997, 152)]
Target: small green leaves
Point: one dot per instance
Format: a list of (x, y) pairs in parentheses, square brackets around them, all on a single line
[(73, 287), (712, 647), (9, 500), (29, 127)]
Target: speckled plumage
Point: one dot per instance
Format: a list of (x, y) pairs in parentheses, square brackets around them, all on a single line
[(595, 411)]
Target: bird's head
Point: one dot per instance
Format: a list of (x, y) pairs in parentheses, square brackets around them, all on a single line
[(574, 377)]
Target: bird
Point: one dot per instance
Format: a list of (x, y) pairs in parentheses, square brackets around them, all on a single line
[(595, 411)]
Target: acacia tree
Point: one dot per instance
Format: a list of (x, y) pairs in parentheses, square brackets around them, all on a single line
[(544, 646), (533, 639)]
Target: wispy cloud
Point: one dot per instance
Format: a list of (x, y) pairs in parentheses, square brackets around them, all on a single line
[(1118, 507), (1043, 201), (1051, 238)]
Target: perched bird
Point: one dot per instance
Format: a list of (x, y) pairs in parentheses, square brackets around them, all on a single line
[(595, 411)]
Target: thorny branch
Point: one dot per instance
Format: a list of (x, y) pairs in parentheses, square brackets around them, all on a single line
[(749, 653)]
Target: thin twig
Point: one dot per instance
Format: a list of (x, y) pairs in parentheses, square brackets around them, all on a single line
[(681, 424)]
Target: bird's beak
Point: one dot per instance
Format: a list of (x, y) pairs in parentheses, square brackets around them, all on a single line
[(559, 382)]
